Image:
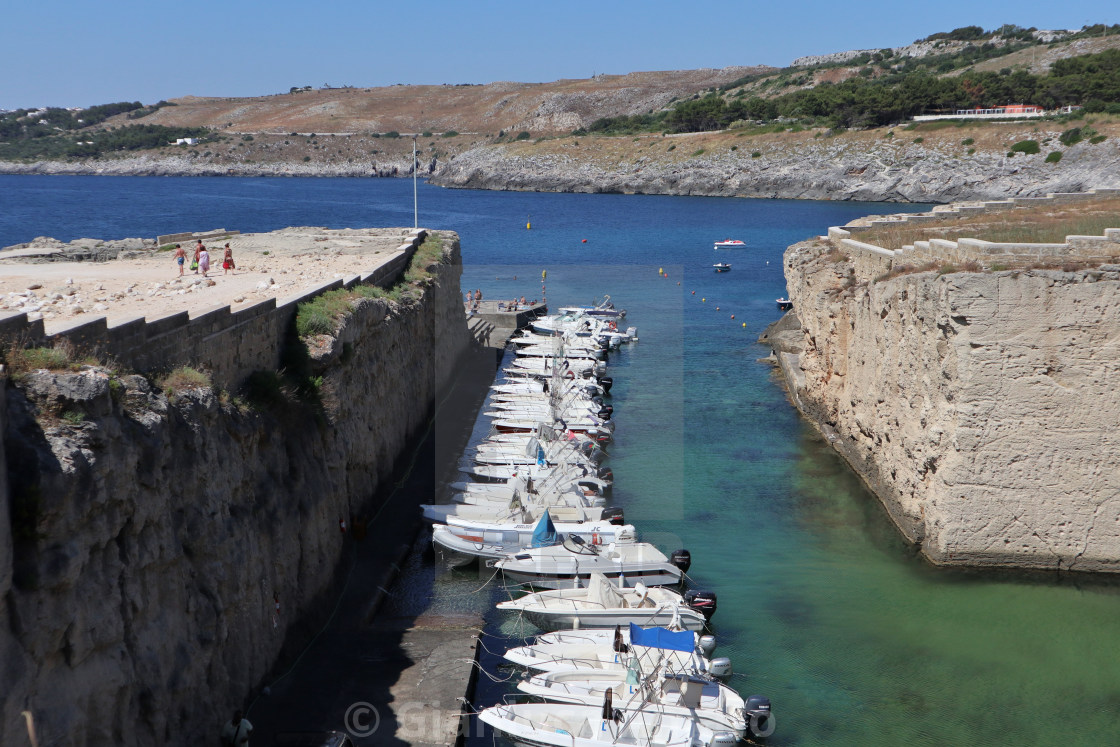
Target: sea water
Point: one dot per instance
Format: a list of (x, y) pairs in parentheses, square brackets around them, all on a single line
[(822, 606)]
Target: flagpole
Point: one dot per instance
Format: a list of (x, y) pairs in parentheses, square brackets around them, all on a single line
[(415, 209)]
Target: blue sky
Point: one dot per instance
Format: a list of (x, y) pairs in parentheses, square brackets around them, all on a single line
[(80, 53)]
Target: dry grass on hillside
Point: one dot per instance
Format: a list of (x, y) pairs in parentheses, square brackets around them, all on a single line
[(1033, 225)]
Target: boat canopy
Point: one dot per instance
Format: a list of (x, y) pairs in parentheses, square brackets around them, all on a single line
[(545, 535), (684, 640)]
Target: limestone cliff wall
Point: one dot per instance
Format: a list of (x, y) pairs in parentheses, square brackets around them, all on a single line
[(980, 407), (150, 541), (824, 169)]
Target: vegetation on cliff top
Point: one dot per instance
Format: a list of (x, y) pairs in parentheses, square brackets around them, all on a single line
[(1092, 81), (321, 315), (1031, 225)]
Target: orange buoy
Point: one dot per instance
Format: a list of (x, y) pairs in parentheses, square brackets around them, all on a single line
[(717, 308), (585, 241), (732, 316), (694, 293)]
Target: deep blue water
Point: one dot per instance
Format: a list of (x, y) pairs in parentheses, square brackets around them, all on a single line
[(821, 605)]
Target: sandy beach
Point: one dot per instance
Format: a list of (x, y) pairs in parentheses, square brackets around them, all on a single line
[(277, 264)]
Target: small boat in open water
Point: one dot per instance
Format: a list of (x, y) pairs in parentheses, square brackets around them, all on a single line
[(784, 304), (721, 266), (730, 244)]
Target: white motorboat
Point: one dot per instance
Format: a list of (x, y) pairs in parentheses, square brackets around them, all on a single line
[(705, 645), (560, 725), (517, 512), (603, 605), (730, 244), (715, 705), (570, 565), (462, 542), (605, 648), (499, 473)]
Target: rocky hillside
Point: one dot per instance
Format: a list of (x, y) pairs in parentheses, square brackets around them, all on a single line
[(926, 163)]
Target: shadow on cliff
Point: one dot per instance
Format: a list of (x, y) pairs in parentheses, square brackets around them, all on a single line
[(353, 650)]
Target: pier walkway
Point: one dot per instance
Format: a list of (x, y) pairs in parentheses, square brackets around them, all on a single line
[(491, 326)]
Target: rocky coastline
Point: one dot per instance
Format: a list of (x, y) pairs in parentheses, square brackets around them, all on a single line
[(715, 165), (817, 169)]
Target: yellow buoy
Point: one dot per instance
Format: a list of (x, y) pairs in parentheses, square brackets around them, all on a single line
[(660, 270), (703, 300), (744, 324)]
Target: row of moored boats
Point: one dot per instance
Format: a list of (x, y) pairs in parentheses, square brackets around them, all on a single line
[(628, 660)]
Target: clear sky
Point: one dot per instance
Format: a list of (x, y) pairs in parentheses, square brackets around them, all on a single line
[(80, 53)]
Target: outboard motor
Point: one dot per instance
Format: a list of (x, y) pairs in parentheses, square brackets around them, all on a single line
[(604, 473), (720, 668), (600, 354), (723, 739), (702, 601), (606, 382), (614, 515), (681, 559), (707, 645), (633, 332), (758, 713), (597, 400), (605, 413)]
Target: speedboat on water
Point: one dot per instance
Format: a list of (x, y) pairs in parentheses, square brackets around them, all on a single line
[(714, 705), (730, 244), (462, 542), (722, 267), (603, 605), (606, 649), (561, 725), (571, 563), (784, 304)]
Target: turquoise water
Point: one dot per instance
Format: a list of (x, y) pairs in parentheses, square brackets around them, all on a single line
[(822, 607)]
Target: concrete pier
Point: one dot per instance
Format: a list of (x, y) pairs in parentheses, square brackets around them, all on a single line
[(492, 326)]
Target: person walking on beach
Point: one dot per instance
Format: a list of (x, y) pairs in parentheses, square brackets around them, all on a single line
[(180, 258), (194, 262), (204, 261), (236, 731), (227, 260)]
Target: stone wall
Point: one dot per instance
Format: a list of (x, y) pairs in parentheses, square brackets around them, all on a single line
[(871, 261), (980, 407), (138, 592), (228, 344)]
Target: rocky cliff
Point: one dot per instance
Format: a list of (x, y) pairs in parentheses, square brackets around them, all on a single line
[(855, 167), (163, 548), (979, 406)]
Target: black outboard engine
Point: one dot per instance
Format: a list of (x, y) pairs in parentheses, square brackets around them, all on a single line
[(597, 400), (604, 473), (605, 413), (681, 559), (614, 515), (758, 713), (606, 382), (702, 601)]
